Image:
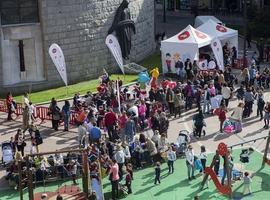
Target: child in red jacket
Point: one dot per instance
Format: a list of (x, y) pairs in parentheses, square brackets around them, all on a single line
[(129, 177), (222, 115)]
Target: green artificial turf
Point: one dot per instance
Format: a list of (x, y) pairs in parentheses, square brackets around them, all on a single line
[(176, 186), (82, 88)]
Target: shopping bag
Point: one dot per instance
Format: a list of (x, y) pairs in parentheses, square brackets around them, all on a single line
[(198, 164), (229, 129), (238, 127)]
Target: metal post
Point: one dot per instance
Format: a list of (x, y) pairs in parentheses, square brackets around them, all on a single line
[(164, 11), (155, 16), (85, 175), (266, 150), (30, 185), (245, 33), (20, 179)]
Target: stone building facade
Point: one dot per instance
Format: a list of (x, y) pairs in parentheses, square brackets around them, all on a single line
[(79, 27)]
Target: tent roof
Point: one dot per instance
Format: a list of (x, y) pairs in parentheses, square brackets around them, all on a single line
[(199, 20), (190, 36), (216, 30)]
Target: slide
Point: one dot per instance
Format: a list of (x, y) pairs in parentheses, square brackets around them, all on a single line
[(267, 161), (221, 188)]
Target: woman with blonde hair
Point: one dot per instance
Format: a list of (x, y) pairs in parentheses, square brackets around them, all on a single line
[(246, 76), (236, 117)]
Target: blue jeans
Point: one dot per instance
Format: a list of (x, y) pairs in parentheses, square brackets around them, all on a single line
[(190, 169), (206, 106), (189, 102), (142, 118), (66, 122)]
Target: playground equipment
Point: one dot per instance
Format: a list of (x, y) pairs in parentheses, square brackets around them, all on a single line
[(224, 189), (223, 150), (71, 190)]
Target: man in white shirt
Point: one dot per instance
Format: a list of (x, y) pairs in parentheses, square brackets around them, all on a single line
[(119, 156), (190, 162), (171, 158), (206, 100), (58, 161), (226, 94)]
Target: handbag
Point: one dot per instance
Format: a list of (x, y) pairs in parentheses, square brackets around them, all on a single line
[(238, 127), (111, 176), (23, 143), (39, 140), (198, 164)]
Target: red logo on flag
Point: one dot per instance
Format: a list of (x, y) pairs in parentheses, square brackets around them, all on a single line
[(200, 35), (221, 29), (183, 35)]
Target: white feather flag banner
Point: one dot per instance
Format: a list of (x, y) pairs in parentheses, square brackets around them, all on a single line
[(58, 59), (114, 46)]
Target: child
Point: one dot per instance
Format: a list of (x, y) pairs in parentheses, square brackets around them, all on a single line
[(72, 170), (203, 157), (171, 158), (217, 163), (222, 116), (260, 105), (129, 178), (157, 173), (266, 115), (247, 181)]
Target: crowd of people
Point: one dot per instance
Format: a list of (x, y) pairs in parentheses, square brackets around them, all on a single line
[(128, 129)]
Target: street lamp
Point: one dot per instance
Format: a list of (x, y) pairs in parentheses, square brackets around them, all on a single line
[(245, 34), (164, 11)]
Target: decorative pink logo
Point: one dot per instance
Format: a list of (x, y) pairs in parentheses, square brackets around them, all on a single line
[(183, 35), (54, 50), (200, 35), (110, 41), (221, 28)]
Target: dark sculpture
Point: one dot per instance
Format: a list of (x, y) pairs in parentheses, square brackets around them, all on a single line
[(123, 25)]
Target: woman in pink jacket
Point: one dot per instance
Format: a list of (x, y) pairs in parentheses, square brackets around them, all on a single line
[(142, 112)]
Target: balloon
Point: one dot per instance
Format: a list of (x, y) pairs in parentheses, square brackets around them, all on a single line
[(155, 73), (172, 84), (143, 77)]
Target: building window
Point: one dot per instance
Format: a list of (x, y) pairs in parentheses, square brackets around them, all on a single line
[(21, 50), (19, 11)]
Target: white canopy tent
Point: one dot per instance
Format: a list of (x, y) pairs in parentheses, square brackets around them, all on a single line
[(184, 45), (224, 34), (200, 20)]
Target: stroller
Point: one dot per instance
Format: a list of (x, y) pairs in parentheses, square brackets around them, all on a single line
[(7, 153), (182, 142)]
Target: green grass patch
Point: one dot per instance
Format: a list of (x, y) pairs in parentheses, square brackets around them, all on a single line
[(152, 61), (82, 88)]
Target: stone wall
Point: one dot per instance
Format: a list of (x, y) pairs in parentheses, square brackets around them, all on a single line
[(80, 28)]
